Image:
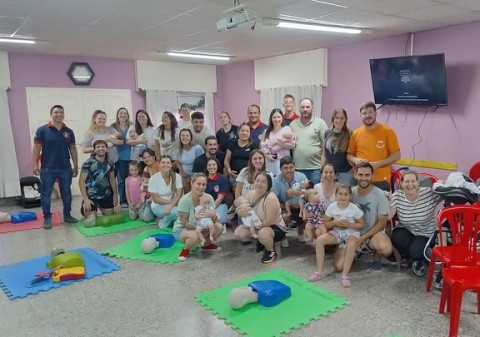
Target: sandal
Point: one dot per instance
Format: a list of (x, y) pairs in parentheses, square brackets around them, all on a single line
[(316, 276), (346, 281)]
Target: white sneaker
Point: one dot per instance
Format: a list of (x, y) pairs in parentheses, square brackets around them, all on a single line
[(224, 229), (285, 243), (301, 238)]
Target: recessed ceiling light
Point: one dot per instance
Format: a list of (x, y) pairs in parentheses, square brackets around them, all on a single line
[(330, 4), (21, 41), (199, 56)]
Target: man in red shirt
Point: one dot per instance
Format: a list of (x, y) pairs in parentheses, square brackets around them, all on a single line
[(289, 114)]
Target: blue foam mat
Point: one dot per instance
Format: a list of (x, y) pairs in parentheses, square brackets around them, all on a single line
[(15, 278)]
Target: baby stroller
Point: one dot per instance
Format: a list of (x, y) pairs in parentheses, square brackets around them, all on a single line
[(452, 195)]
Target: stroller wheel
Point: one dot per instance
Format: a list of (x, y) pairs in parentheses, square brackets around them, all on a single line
[(437, 282), (418, 268)]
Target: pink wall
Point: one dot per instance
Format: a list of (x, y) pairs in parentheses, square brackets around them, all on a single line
[(448, 134), (29, 70), (236, 90)]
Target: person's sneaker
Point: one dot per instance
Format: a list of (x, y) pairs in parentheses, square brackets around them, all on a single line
[(260, 247), (285, 243), (211, 247), (47, 223), (69, 219), (269, 257), (392, 260), (124, 205), (301, 238), (183, 254), (231, 210), (404, 263), (377, 265)]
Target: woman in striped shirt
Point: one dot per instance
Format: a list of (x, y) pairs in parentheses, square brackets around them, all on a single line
[(415, 208)]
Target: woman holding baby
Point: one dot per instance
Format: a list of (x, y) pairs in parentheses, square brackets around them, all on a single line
[(266, 206), (276, 141), (184, 229)]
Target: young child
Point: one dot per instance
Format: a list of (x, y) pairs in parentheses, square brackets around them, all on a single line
[(252, 221), (204, 222), (313, 214), (299, 201), (346, 219), (136, 149), (133, 185)]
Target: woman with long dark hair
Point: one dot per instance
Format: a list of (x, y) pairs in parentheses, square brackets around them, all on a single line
[(167, 135)]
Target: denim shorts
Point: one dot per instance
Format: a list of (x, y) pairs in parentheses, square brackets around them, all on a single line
[(177, 234)]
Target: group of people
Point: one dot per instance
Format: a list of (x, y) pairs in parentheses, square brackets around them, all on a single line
[(293, 172)]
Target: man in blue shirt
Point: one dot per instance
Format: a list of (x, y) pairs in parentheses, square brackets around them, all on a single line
[(54, 145), (283, 189)]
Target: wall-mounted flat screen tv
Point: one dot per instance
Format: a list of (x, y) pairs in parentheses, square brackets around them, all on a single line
[(412, 80)]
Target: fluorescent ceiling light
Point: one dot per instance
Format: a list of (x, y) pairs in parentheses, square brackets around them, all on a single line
[(199, 56), (317, 27), (8, 40), (330, 4)]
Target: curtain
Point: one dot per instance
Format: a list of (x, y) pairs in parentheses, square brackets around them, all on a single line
[(273, 98), (9, 174), (209, 112), (160, 101)]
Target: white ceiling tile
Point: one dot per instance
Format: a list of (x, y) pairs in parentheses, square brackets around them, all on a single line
[(385, 22), (459, 18), (467, 4), (169, 30), (124, 19), (417, 26), (393, 7), (350, 17), (430, 13), (192, 21), (174, 6)]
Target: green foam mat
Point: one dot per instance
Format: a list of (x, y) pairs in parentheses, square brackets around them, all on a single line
[(99, 230), (131, 249), (308, 302)]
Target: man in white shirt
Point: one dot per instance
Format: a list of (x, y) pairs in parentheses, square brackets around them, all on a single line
[(199, 131)]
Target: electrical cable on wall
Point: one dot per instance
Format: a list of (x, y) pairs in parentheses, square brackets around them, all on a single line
[(419, 136)]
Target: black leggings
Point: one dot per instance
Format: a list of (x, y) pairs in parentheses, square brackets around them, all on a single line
[(412, 246)]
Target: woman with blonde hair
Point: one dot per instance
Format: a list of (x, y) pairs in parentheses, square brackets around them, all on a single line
[(98, 130), (335, 147)]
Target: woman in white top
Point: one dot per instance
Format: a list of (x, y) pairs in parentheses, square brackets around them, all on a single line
[(267, 207), (165, 188), (167, 135), (415, 208), (246, 177), (276, 141), (99, 131), (143, 126), (326, 188), (185, 155)]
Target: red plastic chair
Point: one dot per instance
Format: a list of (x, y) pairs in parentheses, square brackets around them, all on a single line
[(475, 171), (428, 175), (462, 271)]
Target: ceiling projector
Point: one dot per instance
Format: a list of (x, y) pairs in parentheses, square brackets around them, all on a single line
[(236, 16)]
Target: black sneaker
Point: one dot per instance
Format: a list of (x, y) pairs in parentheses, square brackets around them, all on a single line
[(47, 223), (269, 257), (260, 247), (69, 219)]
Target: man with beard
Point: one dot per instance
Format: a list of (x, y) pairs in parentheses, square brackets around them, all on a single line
[(374, 204), (211, 147), (200, 132), (97, 182), (310, 130), (374, 143)]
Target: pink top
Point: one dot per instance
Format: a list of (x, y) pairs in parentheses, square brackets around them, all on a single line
[(274, 165), (134, 184)]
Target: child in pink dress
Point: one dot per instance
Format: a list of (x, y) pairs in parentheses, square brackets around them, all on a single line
[(132, 190)]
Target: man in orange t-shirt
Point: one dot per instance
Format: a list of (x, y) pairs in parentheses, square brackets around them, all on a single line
[(375, 143)]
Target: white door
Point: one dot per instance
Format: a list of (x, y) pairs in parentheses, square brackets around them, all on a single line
[(79, 105)]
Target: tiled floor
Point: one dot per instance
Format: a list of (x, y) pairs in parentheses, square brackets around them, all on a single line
[(145, 299)]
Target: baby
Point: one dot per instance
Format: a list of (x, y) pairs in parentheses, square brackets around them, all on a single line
[(202, 221), (251, 221), (136, 149), (313, 213), (288, 137), (303, 186), (144, 195)]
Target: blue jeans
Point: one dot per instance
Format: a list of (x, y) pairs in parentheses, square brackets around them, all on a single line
[(151, 211), (122, 174), (314, 175), (346, 178), (48, 177), (222, 210)]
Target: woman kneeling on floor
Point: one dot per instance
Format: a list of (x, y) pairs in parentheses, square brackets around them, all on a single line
[(267, 207), (184, 229)]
